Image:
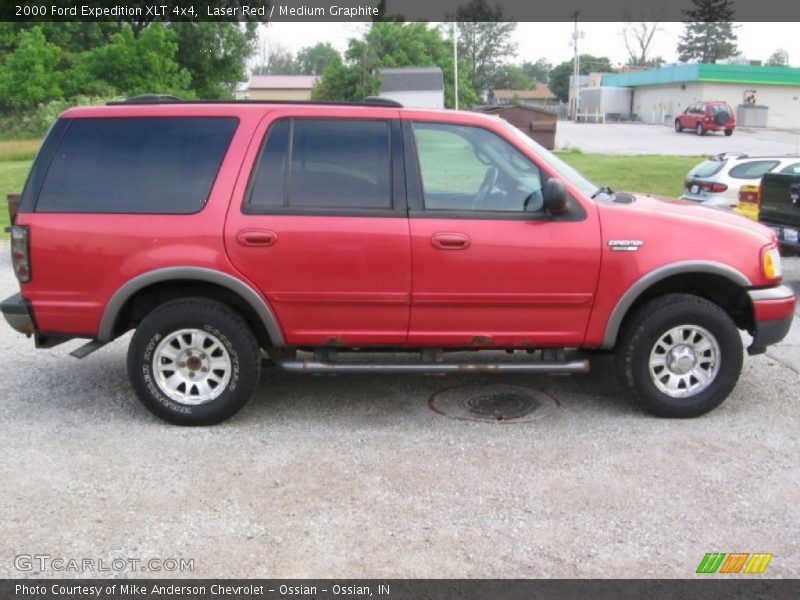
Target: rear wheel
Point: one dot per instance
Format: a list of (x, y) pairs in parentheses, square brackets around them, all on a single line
[(678, 126), (679, 356), (700, 129), (193, 362), (729, 132)]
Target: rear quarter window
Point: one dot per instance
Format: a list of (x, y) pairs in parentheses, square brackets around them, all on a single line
[(163, 165), (753, 169), (707, 168)]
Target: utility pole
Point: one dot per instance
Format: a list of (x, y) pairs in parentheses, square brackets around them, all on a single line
[(576, 69), (455, 62)]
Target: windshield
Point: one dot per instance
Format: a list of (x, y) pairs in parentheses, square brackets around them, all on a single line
[(567, 172)]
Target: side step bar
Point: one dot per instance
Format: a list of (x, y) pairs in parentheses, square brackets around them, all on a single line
[(315, 366)]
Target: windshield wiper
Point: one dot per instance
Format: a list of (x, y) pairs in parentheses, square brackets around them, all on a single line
[(602, 190)]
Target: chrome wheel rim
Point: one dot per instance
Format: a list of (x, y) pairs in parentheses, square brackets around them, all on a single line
[(192, 366), (684, 361)]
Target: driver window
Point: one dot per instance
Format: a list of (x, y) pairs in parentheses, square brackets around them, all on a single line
[(469, 168)]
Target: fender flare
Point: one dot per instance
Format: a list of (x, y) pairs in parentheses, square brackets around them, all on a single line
[(640, 285), (239, 287)]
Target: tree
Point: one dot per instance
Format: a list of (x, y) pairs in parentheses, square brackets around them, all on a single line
[(392, 44), (312, 60), (709, 36), (275, 59), (27, 74), (484, 39), (539, 71), (561, 74), (512, 77), (779, 58), (214, 55), (135, 65), (638, 37)]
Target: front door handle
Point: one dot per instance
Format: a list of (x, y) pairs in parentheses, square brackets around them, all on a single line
[(257, 237), (450, 241)]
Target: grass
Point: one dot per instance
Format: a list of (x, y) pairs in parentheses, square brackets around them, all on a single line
[(650, 174), (12, 178), (18, 150)]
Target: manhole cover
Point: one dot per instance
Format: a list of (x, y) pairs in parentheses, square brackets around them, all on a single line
[(495, 403)]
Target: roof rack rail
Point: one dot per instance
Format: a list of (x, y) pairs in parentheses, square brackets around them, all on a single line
[(376, 101), (734, 154), (147, 99), (382, 101)]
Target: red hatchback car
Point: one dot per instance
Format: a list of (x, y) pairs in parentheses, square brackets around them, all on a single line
[(313, 233), (707, 116)]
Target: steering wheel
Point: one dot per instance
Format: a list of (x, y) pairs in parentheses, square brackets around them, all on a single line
[(488, 183)]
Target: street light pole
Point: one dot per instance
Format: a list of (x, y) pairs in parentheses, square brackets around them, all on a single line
[(455, 62), (575, 70)]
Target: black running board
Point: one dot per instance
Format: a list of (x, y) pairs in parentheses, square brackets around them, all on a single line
[(315, 366)]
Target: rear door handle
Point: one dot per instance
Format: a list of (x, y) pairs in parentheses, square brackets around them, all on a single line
[(450, 241), (257, 237)]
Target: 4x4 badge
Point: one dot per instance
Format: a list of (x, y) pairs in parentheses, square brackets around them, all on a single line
[(625, 245)]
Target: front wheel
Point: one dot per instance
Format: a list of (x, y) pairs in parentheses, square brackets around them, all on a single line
[(679, 356), (700, 129), (193, 362), (678, 126)]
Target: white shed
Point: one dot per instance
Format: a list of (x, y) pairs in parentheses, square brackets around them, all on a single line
[(416, 87)]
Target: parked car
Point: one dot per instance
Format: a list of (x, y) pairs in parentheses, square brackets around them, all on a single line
[(701, 117), (716, 181), (775, 203), (314, 232)]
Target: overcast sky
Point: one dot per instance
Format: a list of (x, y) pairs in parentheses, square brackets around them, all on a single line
[(552, 40)]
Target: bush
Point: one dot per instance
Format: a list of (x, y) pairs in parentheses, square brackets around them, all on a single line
[(31, 124)]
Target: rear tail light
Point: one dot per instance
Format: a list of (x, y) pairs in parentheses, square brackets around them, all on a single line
[(714, 188), (20, 253), (749, 194)]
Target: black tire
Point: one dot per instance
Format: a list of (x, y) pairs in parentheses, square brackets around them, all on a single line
[(729, 132), (699, 129), (649, 326), (678, 126), (227, 338)]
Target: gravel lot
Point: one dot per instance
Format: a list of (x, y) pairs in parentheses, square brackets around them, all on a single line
[(638, 138), (354, 476)]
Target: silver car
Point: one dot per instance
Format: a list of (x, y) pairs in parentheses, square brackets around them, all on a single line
[(716, 181)]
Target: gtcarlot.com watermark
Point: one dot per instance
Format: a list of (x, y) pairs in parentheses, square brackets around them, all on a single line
[(64, 564)]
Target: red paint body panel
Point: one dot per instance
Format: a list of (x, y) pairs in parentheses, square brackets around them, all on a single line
[(773, 310)]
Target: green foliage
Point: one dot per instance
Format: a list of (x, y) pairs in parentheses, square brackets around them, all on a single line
[(484, 39), (132, 65), (709, 36), (26, 75), (213, 55), (561, 74), (539, 71), (35, 122), (779, 58), (12, 179), (312, 60), (392, 44), (512, 77)]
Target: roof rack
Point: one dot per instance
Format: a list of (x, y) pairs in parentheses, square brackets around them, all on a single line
[(167, 99)]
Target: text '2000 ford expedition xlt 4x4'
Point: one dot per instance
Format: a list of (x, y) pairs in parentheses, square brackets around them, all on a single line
[(311, 232)]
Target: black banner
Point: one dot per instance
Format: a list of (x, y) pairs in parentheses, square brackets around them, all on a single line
[(369, 10), (400, 589)]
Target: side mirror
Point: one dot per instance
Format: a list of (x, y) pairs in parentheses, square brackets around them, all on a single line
[(555, 197)]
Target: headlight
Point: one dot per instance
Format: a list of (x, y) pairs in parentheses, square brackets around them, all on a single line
[(771, 263)]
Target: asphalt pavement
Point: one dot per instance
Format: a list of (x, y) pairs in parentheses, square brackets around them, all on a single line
[(638, 138), (355, 476)]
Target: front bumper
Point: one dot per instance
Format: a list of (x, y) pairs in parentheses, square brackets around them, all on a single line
[(19, 314), (773, 310)]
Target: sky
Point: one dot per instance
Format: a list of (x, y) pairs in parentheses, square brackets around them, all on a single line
[(757, 41)]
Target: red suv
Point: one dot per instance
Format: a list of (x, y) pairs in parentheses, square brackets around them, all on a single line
[(707, 116), (224, 232)]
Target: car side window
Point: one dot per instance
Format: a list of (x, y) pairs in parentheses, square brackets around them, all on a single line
[(792, 169), (324, 164), (466, 168), (753, 169)]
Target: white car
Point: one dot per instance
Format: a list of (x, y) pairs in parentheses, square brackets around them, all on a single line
[(716, 181)]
